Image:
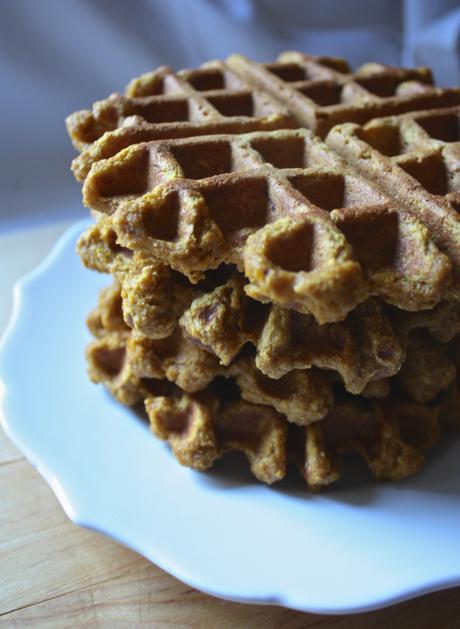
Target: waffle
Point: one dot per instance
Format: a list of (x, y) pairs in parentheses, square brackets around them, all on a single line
[(322, 91), (371, 344), (201, 429), (363, 351), (414, 157), (304, 227), (219, 97), (162, 104), (222, 319), (358, 350), (292, 298), (391, 436), (126, 362), (219, 317), (298, 416)]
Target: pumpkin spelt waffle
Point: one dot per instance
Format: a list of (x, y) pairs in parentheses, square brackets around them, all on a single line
[(162, 104), (269, 296), (360, 349), (371, 344), (427, 369), (270, 421), (416, 159), (381, 432), (125, 360), (308, 232), (183, 358), (322, 91), (234, 97), (218, 316)]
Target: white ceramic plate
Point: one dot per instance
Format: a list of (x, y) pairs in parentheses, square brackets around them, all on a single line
[(358, 546)]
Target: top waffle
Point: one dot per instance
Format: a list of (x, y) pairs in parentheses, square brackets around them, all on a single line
[(241, 96), (322, 91), (306, 229), (162, 104)]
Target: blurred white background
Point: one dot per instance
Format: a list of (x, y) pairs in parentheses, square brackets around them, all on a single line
[(58, 56)]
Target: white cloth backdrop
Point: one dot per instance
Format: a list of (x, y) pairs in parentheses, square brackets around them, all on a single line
[(57, 56)]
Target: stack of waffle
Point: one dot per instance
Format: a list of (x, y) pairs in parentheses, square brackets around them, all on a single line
[(284, 245)]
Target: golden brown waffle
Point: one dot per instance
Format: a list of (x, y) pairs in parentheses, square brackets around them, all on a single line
[(131, 367), (303, 397), (416, 158), (309, 233), (269, 296), (154, 296), (203, 428), (155, 303), (370, 345), (391, 435), (127, 362), (221, 319), (163, 104), (360, 349), (221, 97), (322, 91), (247, 411)]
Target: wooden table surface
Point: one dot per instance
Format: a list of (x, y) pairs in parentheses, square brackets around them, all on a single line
[(54, 574)]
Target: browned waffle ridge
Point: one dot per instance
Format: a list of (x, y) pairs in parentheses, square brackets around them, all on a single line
[(322, 91)]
